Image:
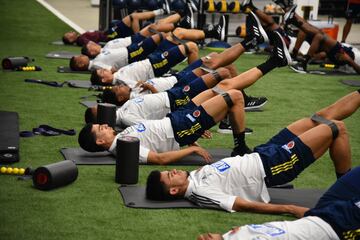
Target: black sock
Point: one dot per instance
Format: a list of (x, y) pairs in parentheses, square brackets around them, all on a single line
[(247, 43), (339, 175), (267, 66), (239, 140), (295, 52), (209, 33)]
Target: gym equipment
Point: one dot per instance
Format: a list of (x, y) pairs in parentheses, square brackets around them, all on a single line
[(46, 130), (234, 6), (81, 157), (28, 68), (241, 30), (106, 114), (177, 5), (16, 171), (63, 69), (127, 160), (217, 46), (133, 4), (331, 72), (55, 175), (12, 63), (353, 83), (222, 6), (61, 54), (119, 3), (88, 104), (134, 197), (151, 4), (9, 137), (209, 6)]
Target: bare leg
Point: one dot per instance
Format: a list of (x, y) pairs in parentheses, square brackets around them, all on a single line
[(346, 29), (241, 81), (301, 36), (174, 18), (163, 27), (189, 34), (266, 20), (224, 58), (192, 53)]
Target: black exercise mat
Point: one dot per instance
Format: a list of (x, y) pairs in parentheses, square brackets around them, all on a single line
[(60, 42), (81, 157), (134, 196), (88, 104), (63, 69), (79, 83), (353, 83), (9, 137), (332, 72), (61, 54)]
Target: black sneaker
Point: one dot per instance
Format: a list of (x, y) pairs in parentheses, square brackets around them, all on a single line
[(188, 19), (225, 128), (242, 152), (300, 67), (246, 6), (280, 52), (254, 30), (283, 3), (193, 5), (219, 29), (252, 103), (166, 7), (289, 16)]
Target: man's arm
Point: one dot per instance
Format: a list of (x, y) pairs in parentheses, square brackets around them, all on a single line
[(259, 207), (173, 156), (350, 61)]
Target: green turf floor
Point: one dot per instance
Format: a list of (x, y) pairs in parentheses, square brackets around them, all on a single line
[(91, 208)]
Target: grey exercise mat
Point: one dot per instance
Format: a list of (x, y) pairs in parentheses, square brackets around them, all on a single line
[(88, 104), (61, 54), (64, 69), (79, 83), (60, 42), (134, 196), (353, 83), (332, 72), (81, 157)]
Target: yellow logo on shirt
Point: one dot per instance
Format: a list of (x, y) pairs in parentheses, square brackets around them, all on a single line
[(136, 53), (160, 64)]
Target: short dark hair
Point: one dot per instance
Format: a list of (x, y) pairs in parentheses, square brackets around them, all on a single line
[(89, 116), (87, 139), (108, 96), (66, 41), (85, 51), (95, 79), (74, 65), (155, 189)]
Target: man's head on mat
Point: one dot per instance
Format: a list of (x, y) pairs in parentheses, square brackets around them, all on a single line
[(91, 49), (70, 37), (210, 236), (96, 137), (101, 77), (79, 63), (167, 185), (117, 95), (91, 115)]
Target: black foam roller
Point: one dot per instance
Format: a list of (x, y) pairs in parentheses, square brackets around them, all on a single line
[(55, 175), (106, 114), (14, 62), (127, 160)]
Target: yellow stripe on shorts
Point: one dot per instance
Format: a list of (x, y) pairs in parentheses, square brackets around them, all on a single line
[(284, 166), (190, 131)]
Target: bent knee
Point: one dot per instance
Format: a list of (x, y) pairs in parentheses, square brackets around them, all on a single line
[(341, 126), (236, 96), (223, 72)]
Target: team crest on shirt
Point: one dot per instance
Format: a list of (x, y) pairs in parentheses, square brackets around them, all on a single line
[(268, 230), (221, 166), (150, 81), (140, 127), (186, 88), (165, 54), (196, 113), (138, 100), (290, 145)]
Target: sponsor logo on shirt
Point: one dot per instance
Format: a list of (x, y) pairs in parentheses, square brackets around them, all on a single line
[(138, 100), (289, 146), (221, 166), (186, 88), (268, 230), (196, 113), (140, 127)]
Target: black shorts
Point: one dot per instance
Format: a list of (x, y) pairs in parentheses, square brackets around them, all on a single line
[(352, 11)]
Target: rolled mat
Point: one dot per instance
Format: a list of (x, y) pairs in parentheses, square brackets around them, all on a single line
[(353, 83), (88, 104), (134, 197), (63, 69), (9, 137), (81, 157), (61, 54)]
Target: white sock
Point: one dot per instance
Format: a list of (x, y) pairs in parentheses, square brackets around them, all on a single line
[(159, 12)]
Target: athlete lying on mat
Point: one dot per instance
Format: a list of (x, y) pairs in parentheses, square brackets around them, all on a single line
[(240, 183), (336, 216), (115, 58), (126, 27), (160, 139), (322, 46)]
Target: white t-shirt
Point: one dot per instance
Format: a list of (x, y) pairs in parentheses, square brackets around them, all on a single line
[(304, 46), (347, 68), (134, 72), (118, 43), (154, 135), (217, 185), (161, 84), (147, 107), (116, 58), (307, 228)]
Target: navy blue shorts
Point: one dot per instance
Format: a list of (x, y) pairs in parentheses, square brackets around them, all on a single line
[(163, 62), (180, 96), (284, 157), (137, 37), (190, 123), (123, 30), (186, 75), (352, 11), (165, 45), (139, 51)]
